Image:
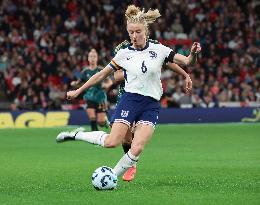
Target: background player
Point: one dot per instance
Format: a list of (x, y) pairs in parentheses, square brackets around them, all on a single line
[(95, 97)]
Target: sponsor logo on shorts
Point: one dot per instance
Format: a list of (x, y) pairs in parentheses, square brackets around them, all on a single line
[(124, 113)]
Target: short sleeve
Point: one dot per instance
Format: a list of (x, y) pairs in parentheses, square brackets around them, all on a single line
[(168, 53), (122, 45), (116, 61), (82, 75)]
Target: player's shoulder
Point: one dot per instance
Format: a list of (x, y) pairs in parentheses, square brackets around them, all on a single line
[(121, 46), (85, 69), (156, 42)]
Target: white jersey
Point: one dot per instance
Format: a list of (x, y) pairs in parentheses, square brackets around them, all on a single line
[(142, 68)]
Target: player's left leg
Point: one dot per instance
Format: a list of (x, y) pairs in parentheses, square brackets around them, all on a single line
[(129, 175), (142, 135), (145, 124)]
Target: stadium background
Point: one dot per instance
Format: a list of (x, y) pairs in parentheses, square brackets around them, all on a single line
[(43, 47)]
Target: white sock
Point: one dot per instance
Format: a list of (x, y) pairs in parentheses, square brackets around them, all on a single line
[(95, 137), (127, 161)]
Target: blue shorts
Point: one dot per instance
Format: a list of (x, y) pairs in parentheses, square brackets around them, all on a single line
[(136, 108)]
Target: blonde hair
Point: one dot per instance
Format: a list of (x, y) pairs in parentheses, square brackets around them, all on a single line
[(135, 15), (93, 50)]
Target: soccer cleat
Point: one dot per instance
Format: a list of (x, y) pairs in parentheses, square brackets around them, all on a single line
[(129, 174), (79, 129), (68, 136)]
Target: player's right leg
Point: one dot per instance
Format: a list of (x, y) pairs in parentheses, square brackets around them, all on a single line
[(123, 118), (69, 135), (101, 138)]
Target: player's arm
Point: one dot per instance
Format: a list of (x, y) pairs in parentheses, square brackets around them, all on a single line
[(119, 76), (98, 77), (191, 59), (115, 78), (179, 70)]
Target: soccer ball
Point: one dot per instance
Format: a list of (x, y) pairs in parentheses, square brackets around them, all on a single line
[(104, 178)]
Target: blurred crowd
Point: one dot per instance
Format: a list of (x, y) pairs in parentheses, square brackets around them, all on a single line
[(44, 46)]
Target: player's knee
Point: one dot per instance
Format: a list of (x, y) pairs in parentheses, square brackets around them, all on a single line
[(102, 123), (111, 143)]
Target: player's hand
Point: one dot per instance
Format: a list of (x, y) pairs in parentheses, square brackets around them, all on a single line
[(72, 94), (195, 48), (188, 85)]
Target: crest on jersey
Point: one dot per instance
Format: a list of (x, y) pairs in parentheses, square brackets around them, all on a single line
[(153, 54), (124, 113)]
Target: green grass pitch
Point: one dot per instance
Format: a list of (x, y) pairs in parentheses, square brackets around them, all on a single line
[(183, 164)]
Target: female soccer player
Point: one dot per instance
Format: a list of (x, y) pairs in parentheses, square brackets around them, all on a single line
[(141, 63), (95, 97), (118, 77)]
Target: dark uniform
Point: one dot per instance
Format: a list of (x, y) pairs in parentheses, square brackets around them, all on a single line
[(121, 89), (95, 96)]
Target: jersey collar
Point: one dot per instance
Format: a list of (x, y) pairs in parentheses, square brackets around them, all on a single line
[(136, 49)]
